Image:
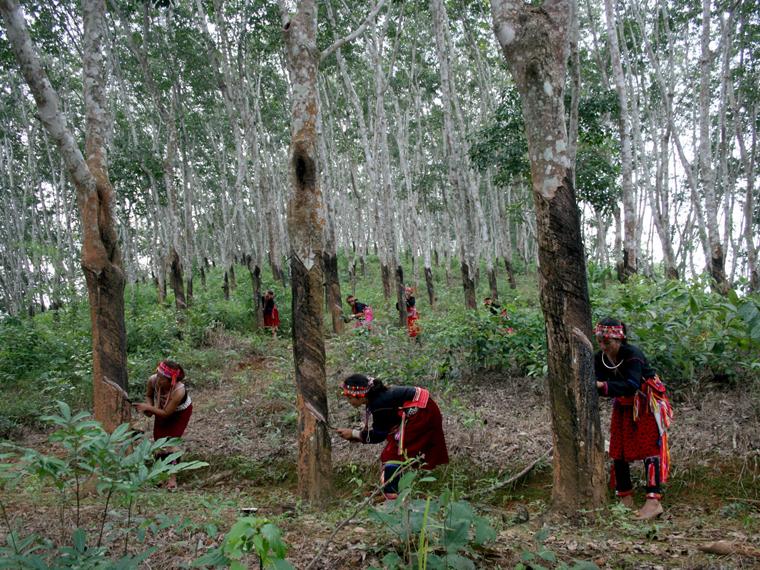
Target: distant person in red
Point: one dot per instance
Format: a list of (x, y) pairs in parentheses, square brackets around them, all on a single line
[(497, 310), (405, 417), (168, 401), (361, 313), (271, 314), (412, 316)]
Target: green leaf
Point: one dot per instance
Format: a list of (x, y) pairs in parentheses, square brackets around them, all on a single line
[(391, 561), (460, 511), (547, 554), (406, 480), (484, 532), (457, 537), (541, 535), (214, 557), (459, 562), (79, 539)]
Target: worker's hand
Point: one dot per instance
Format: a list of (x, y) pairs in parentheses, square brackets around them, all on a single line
[(345, 433), (144, 408), (599, 385)]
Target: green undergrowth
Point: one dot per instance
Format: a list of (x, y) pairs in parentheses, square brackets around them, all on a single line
[(691, 336)]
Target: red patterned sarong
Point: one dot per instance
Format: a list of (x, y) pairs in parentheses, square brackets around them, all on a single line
[(412, 326), (420, 433), (632, 440)]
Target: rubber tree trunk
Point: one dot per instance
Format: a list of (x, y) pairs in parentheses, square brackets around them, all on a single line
[(430, 286), (534, 40), (510, 273), (226, 287), (306, 230), (468, 283), (492, 283), (178, 284), (189, 287), (385, 275), (233, 278), (332, 291), (400, 296), (629, 262), (258, 309), (101, 257)]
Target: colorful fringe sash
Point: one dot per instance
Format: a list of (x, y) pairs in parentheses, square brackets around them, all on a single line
[(652, 398)]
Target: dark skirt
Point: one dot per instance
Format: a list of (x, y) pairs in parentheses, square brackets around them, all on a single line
[(422, 437), (174, 425), (272, 319)]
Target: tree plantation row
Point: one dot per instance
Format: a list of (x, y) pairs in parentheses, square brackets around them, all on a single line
[(420, 142), (283, 133)]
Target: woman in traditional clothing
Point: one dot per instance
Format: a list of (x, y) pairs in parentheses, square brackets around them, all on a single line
[(271, 314), (405, 417), (361, 313), (412, 316), (641, 415), (168, 401)]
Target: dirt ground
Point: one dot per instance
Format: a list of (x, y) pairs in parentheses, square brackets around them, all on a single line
[(245, 426)]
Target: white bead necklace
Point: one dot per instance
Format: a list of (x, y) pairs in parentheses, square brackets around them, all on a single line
[(609, 366)]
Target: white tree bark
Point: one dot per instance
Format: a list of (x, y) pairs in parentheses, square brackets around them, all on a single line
[(630, 243)]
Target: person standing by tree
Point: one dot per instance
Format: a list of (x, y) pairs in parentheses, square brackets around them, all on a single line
[(271, 314), (168, 401), (641, 415), (412, 316), (404, 416)]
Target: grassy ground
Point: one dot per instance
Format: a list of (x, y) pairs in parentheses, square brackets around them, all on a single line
[(496, 422), (244, 426)]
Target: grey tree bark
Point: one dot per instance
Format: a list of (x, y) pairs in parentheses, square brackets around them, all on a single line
[(535, 43)]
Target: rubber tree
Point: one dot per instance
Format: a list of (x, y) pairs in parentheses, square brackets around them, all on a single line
[(101, 257), (535, 43)]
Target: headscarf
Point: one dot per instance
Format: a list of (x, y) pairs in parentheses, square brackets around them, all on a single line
[(354, 386), (610, 331)]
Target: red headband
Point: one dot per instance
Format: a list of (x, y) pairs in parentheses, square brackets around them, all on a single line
[(357, 391), (168, 371), (610, 331)]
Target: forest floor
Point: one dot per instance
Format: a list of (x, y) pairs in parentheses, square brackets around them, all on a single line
[(244, 426)]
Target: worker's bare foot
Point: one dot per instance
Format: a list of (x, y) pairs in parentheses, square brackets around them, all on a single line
[(651, 509), (627, 501)]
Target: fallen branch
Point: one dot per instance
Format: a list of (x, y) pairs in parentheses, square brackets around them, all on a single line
[(514, 478)]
